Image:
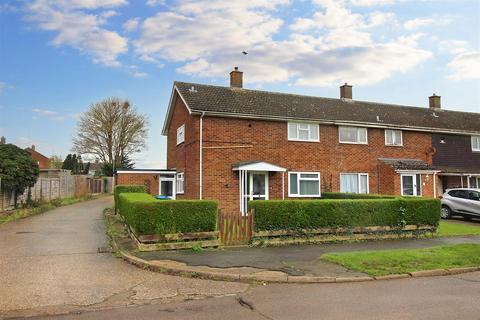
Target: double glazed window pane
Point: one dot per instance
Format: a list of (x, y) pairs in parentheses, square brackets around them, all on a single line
[(353, 134), (304, 184), (303, 131), (393, 137), (354, 183)]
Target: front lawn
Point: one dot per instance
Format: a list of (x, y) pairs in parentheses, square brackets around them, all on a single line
[(447, 229), (384, 262)]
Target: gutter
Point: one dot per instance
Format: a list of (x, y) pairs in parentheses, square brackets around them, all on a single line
[(201, 156)]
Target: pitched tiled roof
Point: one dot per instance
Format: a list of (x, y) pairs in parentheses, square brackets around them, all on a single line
[(254, 103), (407, 164)]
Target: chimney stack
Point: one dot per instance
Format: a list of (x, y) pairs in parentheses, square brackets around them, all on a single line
[(346, 91), (236, 78), (33, 147), (434, 102), (3, 140)]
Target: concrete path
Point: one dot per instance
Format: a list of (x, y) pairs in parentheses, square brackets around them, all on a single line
[(50, 264), (295, 260), (436, 298)]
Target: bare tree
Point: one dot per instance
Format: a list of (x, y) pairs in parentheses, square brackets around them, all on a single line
[(112, 130)]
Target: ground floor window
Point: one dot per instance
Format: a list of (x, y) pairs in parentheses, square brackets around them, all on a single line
[(180, 182), (411, 185), (304, 184), (475, 182), (354, 182)]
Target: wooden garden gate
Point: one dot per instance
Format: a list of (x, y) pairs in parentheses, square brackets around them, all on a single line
[(235, 228)]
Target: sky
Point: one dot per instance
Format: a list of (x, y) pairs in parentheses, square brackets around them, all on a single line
[(57, 57)]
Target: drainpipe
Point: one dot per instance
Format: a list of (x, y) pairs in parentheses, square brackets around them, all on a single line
[(201, 155)]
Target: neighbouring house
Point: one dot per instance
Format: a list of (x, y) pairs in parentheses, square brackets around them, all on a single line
[(234, 145), (42, 161)]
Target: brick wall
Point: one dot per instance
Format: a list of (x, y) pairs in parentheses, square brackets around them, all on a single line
[(227, 141), (149, 180), (185, 156)]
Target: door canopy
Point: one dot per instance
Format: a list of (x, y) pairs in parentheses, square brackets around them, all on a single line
[(257, 166)]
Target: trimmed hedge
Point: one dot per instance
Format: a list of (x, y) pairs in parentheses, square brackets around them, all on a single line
[(314, 214), (344, 195), (148, 215), (127, 189)]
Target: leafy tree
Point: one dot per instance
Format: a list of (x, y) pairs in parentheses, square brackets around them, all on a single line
[(18, 170), (126, 163), (112, 130), (56, 162), (67, 163), (86, 168)]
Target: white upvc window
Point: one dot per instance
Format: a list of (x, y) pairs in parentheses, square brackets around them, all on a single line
[(393, 137), (180, 182), (300, 131), (181, 134), (304, 184), (476, 143), (355, 135), (354, 182)]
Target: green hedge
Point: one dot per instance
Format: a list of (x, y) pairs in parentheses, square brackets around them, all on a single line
[(344, 195), (148, 215), (127, 189), (313, 214)]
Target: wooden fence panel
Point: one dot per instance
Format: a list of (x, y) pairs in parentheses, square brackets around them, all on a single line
[(235, 228)]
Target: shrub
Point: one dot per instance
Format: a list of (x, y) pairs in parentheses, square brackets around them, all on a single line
[(344, 195), (127, 189), (349, 213), (150, 216)]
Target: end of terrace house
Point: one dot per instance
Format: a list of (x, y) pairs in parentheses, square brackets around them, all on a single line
[(233, 144)]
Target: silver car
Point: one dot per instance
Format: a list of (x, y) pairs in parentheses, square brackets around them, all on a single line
[(461, 201)]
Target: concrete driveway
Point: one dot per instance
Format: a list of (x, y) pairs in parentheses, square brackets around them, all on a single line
[(50, 264)]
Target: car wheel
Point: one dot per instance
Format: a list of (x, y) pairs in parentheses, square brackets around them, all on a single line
[(445, 212)]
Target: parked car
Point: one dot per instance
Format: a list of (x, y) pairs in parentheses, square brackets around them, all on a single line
[(461, 201)]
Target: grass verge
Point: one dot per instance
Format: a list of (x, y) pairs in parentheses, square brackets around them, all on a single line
[(13, 215), (448, 229), (384, 262)]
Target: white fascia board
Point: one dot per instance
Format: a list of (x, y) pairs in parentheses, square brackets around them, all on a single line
[(146, 171), (418, 171), (337, 122), (168, 116)]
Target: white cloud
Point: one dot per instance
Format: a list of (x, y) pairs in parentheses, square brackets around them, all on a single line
[(131, 24), (331, 46), (153, 3), (371, 3), (53, 115), (453, 46), (465, 66), (81, 30), (425, 22), (5, 86)]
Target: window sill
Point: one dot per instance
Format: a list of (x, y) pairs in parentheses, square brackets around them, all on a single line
[(361, 143), (394, 145), (298, 140), (304, 196)]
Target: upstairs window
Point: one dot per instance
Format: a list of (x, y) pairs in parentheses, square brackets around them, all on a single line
[(393, 138), (354, 135), (304, 184), (476, 143), (180, 182), (354, 182), (181, 134), (298, 131)]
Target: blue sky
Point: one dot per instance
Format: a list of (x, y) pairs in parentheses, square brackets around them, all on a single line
[(57, 57)]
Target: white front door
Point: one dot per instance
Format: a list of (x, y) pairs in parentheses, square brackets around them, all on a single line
[(410, 185)]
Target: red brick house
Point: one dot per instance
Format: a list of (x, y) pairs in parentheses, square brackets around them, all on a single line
[(233, 145), (42, 161)]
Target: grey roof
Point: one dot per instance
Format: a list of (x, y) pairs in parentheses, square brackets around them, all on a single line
[(407, 164), (236, 101)]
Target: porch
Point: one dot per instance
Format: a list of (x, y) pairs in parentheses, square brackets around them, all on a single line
[(254, 181)]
